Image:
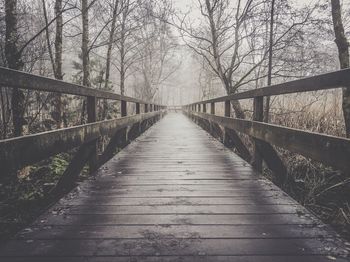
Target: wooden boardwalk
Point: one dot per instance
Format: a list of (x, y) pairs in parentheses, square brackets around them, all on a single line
[(176, 194)]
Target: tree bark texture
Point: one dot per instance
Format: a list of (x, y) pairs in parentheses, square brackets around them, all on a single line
[(343, 50)]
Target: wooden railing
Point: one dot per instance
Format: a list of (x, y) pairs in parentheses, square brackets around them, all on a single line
[(16, 153), (330, 150)]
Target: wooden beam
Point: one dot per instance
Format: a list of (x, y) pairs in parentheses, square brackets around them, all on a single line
[(135, 130), (273, 161), (237, 142), (330, 150), (91, 113), (258, 115), (70, 175), (212, 108), (138, 111), (121, 135), (232, 139)]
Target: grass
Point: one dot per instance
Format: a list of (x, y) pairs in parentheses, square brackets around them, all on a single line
[(320, 188)]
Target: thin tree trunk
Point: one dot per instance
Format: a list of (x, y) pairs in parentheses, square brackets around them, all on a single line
[(109, 54), (236, 105), (85, 43), (269, 73), (14, 61), (343, 49), (122, 78), (238, 109), (85, 50), (122, 50), (58, 60)]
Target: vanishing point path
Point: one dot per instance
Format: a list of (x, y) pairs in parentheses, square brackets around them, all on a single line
[(176, 194)]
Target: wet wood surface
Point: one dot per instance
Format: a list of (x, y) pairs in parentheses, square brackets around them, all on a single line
[(176, 194)]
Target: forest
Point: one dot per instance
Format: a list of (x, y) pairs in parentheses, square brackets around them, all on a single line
[(174, 52)]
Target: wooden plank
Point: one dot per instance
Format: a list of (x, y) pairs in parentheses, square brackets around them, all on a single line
[(194, 201), (199, 258), (175, 231), (213, 193), (330, 150), (179, 247), (19, 152), (331, 80), (189, 219), (111, 209)]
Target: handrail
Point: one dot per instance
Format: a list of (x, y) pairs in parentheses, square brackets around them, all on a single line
[(340, 78), (19, 79), (330, 150)]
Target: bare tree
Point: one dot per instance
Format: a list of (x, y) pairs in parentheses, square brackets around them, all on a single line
[(85, 42), (14, 61), (157, 48), (221, 43), (343, 50), (126, 29), (111, 39), (58, 60), (269, 72)]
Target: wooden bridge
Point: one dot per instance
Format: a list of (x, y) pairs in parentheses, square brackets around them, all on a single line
[(175, 193)]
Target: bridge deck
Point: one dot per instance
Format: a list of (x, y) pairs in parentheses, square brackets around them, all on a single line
[(175, 194)]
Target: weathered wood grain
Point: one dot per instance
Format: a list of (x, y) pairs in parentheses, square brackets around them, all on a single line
[(176, 194)]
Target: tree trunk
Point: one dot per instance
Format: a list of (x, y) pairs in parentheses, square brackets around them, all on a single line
[(85, 42), (85, 51), (109, 54), (238, 109), (122, 47), (269, 73), (14, 61), (343, 49), (122, 78), (236, 105), (58, 60)]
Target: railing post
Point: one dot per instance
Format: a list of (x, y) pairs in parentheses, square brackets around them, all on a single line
[(199, 108), (123, 132), (91, 115), (146, 108), (123, 108), (228, 108), (258, 115), (227, 140), (204, 108), (137, 108), (212, 108)]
